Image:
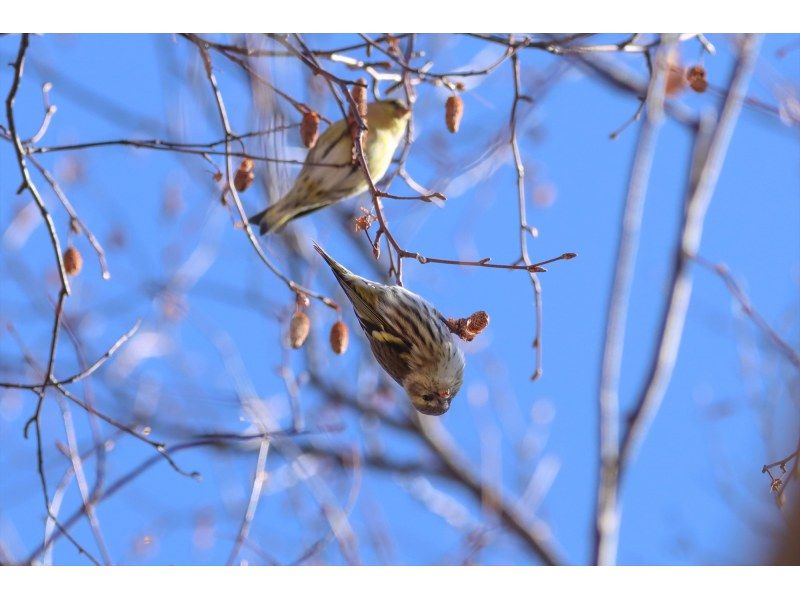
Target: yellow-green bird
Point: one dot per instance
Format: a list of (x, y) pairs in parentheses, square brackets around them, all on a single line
[(329, 174)]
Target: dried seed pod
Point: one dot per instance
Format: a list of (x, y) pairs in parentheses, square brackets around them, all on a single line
[(340, 337), (299, 327), (73, 261), (309, 129), (454, 109), (696, 76), (477, 322), (244, 175)]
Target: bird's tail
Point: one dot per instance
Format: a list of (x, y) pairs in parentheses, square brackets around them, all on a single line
[(339, 270), (359, 291), (272, 219), (279, 214)]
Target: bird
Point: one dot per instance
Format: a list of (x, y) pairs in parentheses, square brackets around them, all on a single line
[(329, 172), (408, 337)]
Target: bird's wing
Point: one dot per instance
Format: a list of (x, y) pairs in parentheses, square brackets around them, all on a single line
[(364, 296), (328, 164), (388, 344), (394, 362), (322, 152)]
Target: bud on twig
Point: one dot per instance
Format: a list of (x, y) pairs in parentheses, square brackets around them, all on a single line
[(454, 109), (309, 129), (340, 337), (299, 326), (244, 175), (73, 261), (696, 76)]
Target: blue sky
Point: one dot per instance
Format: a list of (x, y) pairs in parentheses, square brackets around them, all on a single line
[(695, 494)]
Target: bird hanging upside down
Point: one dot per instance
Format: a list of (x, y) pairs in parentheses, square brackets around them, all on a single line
[(408, 337)]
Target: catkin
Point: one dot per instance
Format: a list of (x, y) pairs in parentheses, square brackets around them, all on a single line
[(309, 129), (73, 261), (454, 110), (299, 327), (340, 337), (244, 175)]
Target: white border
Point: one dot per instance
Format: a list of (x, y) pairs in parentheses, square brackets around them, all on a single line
[(388, 582), (398, 15)]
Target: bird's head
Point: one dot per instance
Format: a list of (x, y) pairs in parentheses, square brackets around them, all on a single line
[(388, 114), (432, 387)]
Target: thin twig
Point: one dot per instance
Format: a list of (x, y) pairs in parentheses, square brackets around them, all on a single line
[(86, 372), (524, 228), (747, 307), (73, 217), (259, 476), (20, 151)]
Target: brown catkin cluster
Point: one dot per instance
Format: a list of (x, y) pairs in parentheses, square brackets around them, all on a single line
[(73, 261), (453, 111), (244, 175), (468, 328), (309, 129), (340, 337), (299, 326), (696, 76), (477, 322)]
